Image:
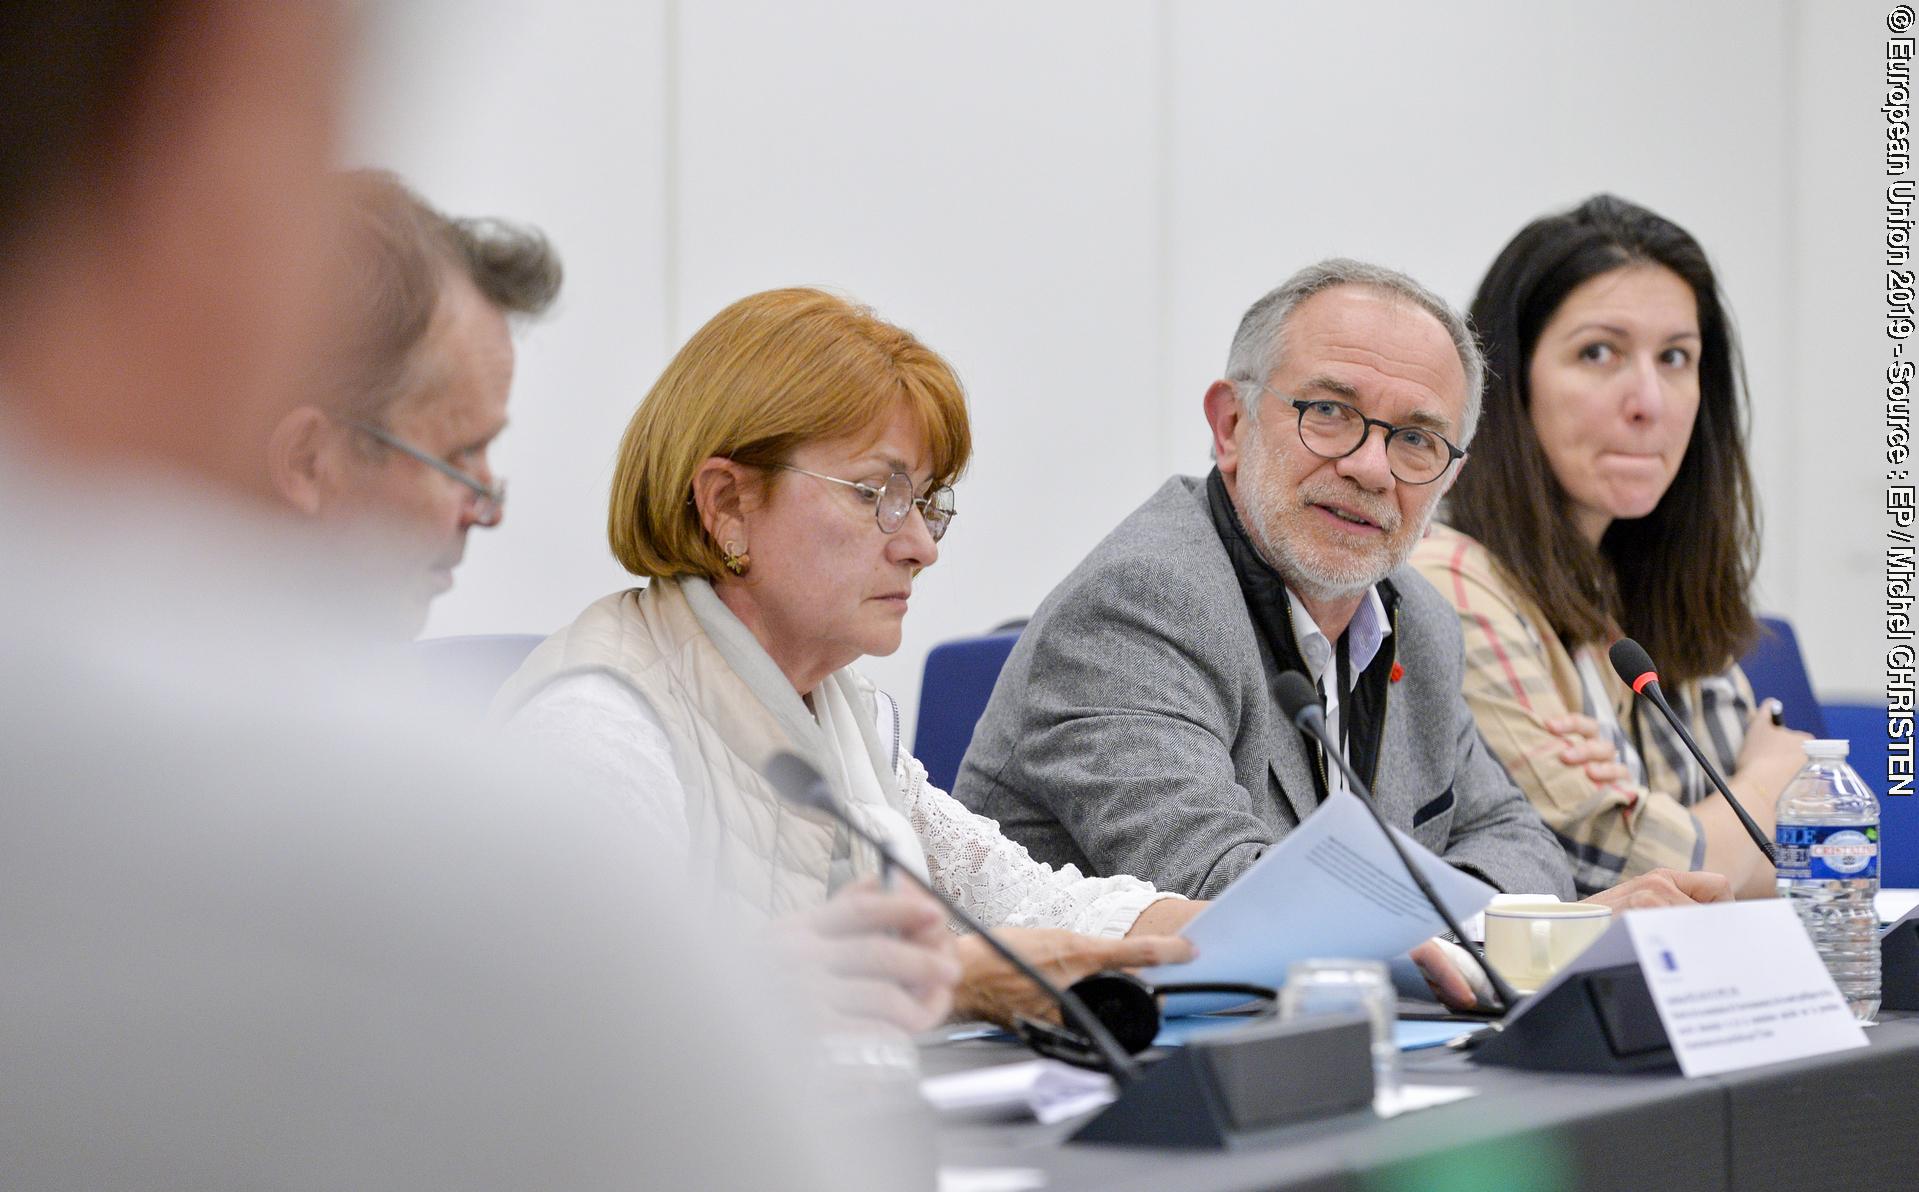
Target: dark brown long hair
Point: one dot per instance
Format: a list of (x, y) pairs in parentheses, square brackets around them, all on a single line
[(1677, 579)]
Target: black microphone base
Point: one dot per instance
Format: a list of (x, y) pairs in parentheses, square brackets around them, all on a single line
[(1899, 966), (1599, 1021), (1234, 1089)]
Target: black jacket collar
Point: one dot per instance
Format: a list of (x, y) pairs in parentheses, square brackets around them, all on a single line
[(1267, 601)]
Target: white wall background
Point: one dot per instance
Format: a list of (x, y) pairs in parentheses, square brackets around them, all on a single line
[(1075, 199)]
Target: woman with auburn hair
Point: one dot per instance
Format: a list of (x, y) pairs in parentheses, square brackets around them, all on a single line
[(782, 487), (1610, 497)]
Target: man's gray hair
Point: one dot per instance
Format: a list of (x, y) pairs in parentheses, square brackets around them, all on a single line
[(1260, 343), (401, 251)]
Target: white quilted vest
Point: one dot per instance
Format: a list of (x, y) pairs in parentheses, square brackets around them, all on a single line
[(727, 708)]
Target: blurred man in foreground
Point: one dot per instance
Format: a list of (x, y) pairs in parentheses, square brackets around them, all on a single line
[(262, 926)]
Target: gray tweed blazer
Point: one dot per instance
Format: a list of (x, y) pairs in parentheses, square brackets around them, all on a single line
[(1134, 731)]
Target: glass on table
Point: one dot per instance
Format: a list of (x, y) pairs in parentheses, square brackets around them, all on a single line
[(1339, 986)]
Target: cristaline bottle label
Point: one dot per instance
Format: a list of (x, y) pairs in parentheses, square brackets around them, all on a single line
[(1828, 852)]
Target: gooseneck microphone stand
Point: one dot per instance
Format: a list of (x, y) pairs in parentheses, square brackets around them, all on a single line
[(800, 784), (1300, 701)]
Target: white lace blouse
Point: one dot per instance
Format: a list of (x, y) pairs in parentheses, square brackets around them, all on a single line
[(611, 737)]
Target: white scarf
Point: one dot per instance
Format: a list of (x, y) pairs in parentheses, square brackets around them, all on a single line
[(866, 800), (825, 727)]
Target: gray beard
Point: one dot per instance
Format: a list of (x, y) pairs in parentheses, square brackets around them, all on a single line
[(1301, 575)]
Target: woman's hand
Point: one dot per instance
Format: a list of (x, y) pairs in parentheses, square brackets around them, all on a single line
[(996, 991), (873, 955), (1665, 887), (1586, 744)]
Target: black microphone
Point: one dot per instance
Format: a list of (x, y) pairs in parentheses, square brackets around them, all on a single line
[(1300, 701), (800, 784), (1635, 667)]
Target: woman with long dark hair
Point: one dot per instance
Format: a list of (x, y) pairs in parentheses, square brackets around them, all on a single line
[(1609, 495)]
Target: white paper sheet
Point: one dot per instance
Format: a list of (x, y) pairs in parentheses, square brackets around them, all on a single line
[(990, 1179), (1047, 1089), (1410, 1097), (1331, 888), (1895, 903), (1739, 984)]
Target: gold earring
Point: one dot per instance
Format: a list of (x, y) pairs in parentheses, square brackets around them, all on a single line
[(734, 559)]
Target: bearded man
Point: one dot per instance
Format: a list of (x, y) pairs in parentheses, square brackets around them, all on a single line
[(1134, 728)]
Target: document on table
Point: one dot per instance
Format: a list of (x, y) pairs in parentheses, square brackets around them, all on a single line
[(1410, 1035), (1895, 904), (1047, 1089), (1409, 1097), (1331, 888), (990, 1179)]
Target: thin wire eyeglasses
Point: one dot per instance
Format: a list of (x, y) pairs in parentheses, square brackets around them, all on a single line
[(1335, 429), (489, 501), (892, 503)]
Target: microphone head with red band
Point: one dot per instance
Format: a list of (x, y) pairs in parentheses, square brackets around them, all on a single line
[(1633, 665)]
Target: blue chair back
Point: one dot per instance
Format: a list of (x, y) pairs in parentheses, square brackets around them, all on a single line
[(957, 682), (1778, 671), (466, 672)]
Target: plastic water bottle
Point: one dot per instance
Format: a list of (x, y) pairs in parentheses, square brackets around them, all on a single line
[(1828, 836)]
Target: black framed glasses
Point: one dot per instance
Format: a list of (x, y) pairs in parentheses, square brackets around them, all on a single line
[(892, 502), (1335, 429), (489, 500)]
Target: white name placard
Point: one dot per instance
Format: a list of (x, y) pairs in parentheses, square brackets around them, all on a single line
[(1738, 984)]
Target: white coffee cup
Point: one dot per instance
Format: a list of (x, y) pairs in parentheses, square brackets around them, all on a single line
[(1530, 941)]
